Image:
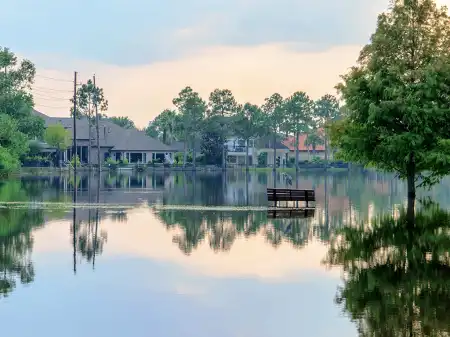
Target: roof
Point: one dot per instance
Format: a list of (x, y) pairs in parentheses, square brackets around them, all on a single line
[(179, 147), (111, 135), (267, 143), (290, 143)]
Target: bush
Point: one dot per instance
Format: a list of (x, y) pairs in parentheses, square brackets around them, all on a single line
[(75, 159), (111, 163), (262, 159), (123, 162)]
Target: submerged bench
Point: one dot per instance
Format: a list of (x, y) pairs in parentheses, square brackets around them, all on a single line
[(285, 194)]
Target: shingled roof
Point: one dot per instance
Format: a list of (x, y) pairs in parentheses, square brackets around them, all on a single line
[(111, 135)]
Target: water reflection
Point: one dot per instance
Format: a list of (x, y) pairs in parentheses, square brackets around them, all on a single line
[(16, 239), (211, 258), (221, 229), (397, 279)]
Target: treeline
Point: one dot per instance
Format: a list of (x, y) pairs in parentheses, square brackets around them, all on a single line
[(195, 121)]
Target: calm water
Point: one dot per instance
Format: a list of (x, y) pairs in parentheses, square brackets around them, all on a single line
[(179, 255)]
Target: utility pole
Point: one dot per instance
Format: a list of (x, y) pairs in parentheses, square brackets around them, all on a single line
[(97, 127), (75, 123)]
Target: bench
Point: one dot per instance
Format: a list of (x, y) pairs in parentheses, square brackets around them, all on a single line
[(284, 194)]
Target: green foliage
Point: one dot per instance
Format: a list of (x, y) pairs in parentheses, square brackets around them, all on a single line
[(398, 96), (192, 109), (123, 122), (298, 112), (262, 159), (396, 277), (165, 127), (87, 96), (57, 136), (211, 147), (314, 139), (17, 123), (249, 122), (35, 147), (75, 159), (123, 162), (327, 110), (274, 111)]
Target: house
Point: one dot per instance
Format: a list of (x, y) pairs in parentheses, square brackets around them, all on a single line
[(236, 151), (115, 142), (267, 144), (305, 152)]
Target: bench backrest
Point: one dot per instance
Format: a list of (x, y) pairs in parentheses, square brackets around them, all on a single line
[(284, 194)]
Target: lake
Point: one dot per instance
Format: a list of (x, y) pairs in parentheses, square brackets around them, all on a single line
[(179, 254)]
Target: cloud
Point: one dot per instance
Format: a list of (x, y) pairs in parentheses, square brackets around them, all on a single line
[(252, 73), (140, 32)]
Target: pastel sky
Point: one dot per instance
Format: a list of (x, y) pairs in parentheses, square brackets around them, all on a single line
[(144, 52)]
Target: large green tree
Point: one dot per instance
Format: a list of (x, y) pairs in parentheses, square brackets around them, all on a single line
[(298, 111), (17, 122), (58, 137), (222, 107), (398, 97), (249, 124), (165, 126), (326, 110), (273, 108), (89, 97), (192, 109)]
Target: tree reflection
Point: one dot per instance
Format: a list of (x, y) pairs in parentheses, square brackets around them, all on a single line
[(397, 277), (16, 240), (88, 238), (221, 229)]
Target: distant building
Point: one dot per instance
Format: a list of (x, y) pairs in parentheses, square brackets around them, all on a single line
[(305, 152), (115, 142)]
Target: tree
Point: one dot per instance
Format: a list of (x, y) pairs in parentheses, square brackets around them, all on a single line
[(123, 122), (222, 105), (212, 146), (274, 110), (164, 126), (13, 144), (248, 124), (398, 97), (298, 111), (58, 137), (192, 109), (313, 139), (17, 123), (327, 110), (88, 97)]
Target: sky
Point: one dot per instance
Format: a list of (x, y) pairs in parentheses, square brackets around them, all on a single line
[(143, 52)]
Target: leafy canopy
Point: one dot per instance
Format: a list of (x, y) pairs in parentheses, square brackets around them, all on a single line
[(123, 122), (57, 136), (398, 95)]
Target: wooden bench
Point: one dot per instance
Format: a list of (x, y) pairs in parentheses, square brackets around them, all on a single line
[(290, 213), (284, 194)]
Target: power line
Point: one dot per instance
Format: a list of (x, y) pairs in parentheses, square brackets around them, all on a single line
[(51, 107), (54, 78), (50, 98), (35, 87)]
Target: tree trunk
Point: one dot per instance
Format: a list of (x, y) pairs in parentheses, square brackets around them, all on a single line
[(296, 151), (326, 149), (185, 151), (246, 155), (411, 175), (274, 152), (194, 155), (98, 140), (224, 160)]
